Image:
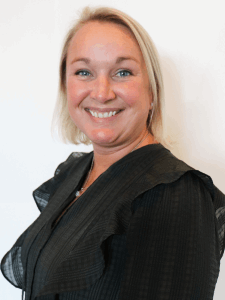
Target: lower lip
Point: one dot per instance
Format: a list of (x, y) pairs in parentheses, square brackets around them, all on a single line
[(100, 120)]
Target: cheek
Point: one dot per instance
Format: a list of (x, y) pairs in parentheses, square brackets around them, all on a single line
[(129, 92), (72, 87), (136, 94), (70, 91), (75, 92)]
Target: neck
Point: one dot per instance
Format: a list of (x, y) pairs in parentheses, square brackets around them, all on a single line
[(104, 158)]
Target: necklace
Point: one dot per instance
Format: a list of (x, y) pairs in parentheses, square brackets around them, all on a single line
[(78, 193)]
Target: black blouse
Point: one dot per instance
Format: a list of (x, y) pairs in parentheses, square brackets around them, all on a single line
[(150, 227)]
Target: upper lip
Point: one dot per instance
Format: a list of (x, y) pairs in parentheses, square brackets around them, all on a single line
[(103, 109)]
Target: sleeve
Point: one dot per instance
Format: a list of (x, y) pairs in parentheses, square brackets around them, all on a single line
[(44, 192), (172, 244), (219, 204), (11, 264)]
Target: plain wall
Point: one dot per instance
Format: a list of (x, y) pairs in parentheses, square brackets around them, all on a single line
[(190, 38)]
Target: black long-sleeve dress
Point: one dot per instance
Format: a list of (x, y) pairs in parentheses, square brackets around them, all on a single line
[(150, 227)]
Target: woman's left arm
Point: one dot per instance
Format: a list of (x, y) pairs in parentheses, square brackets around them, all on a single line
[(172, 244)]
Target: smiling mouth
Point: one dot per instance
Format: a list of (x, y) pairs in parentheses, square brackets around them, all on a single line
[(103, 115)]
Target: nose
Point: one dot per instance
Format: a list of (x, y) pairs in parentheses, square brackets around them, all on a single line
[(102, 89)]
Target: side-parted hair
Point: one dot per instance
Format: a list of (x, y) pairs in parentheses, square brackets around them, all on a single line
[(67, 130)]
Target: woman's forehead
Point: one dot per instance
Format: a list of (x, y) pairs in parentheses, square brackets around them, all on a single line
[(104, 38), (106, 29)]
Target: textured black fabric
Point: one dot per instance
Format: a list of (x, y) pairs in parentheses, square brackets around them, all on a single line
[(150, 218)]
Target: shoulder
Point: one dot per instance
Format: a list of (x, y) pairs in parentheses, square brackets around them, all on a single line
[(72, 159), (46, 190), (184, 186), (190, 199)]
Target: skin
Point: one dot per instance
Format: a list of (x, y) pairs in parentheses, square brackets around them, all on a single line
[(105, 84)]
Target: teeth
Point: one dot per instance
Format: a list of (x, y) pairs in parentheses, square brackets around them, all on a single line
[(103, 115)]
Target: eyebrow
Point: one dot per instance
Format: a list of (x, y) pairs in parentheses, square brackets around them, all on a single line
[(118, 60)]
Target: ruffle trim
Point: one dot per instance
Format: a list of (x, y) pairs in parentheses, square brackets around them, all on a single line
[(46, 190)]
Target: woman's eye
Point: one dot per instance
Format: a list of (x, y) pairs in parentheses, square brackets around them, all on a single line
[(124, 72), (82, 71), (85, 73)]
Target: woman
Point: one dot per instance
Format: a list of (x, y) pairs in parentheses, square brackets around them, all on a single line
[(127, 220)]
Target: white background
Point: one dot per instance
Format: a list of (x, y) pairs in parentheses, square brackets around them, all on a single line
[(190, 38)]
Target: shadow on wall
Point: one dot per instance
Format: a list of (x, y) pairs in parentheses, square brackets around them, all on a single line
[(193, 118), (174, 108)]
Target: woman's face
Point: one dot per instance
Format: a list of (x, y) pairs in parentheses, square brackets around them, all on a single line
[(101, 80)]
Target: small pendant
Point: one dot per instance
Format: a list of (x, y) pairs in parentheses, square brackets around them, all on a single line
[(77, 194)]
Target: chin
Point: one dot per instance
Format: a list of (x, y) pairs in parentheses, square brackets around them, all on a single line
[(104, 136)]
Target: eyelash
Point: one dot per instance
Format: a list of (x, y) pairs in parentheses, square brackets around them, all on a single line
[(123, 70)]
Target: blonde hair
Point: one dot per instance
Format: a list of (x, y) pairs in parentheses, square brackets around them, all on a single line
[(67, 130)]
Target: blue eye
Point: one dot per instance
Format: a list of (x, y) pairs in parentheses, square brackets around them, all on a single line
[(124, 71), (85, 71), (81, 71)]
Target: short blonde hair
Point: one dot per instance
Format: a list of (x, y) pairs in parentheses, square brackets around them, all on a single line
[(67, 130)]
